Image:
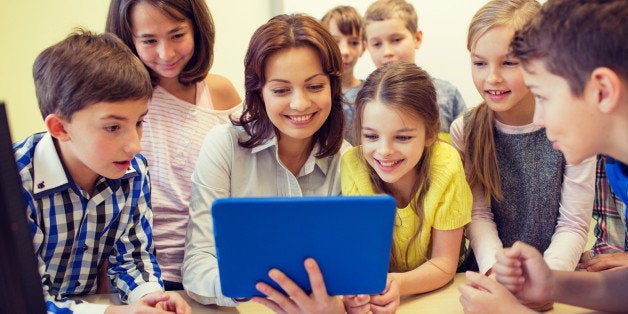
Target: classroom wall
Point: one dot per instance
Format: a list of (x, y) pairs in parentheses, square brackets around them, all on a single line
[(28, 27)]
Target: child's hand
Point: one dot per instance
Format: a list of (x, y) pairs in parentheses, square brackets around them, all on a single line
[(586, 256), (356, 304), (297, 301), (509, 270), (523, 271), (154, 302), (175, 304), (490, 274), (604, 261), (387, 301), (483, 295)]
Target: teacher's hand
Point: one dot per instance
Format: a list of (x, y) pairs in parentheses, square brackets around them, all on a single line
[(296, 300)]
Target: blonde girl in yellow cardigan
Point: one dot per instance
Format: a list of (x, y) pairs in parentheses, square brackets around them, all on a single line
[(400, 155)]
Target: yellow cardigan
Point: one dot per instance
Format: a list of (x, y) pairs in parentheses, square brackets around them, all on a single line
[(447, 204)]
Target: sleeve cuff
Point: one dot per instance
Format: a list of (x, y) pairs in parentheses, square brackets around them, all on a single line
[(143, 290), (212, 292), (90, 308)]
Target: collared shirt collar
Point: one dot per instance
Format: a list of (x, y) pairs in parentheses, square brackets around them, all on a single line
[(49, 173), (308, 167)]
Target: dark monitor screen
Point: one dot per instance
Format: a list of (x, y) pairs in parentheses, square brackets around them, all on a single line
[(20, 282)]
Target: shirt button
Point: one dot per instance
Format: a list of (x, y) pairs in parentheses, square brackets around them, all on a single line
[(85, 247), (77, 284)]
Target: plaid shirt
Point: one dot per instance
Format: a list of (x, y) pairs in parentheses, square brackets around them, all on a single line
[(74, 234), (609, 212)]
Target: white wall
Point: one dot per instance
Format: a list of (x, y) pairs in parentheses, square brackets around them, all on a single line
[(235, 21), (26, 28)]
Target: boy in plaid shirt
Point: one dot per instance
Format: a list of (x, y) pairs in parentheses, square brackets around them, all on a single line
[(86, 187)]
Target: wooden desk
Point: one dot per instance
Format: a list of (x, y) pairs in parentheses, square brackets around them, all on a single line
[(442, 301)]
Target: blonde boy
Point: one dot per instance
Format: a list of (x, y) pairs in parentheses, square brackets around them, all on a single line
[(391, 33)]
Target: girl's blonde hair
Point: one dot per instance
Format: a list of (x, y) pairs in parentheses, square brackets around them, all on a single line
[(405, 87), (478, 130)]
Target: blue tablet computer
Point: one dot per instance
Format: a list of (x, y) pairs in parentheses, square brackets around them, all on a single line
[(348, 236)]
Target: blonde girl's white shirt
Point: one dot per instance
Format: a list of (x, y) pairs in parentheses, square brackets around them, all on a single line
[(226, 169), (576, 205), (173, 134)]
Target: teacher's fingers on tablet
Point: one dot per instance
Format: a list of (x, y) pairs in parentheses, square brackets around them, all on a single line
[(290, 287), (319, 301), (269, 304), (276, 301), (316, 279)]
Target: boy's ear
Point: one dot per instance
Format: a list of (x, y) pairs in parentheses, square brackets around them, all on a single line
[(56, 127), (606, 85), (418, 39)]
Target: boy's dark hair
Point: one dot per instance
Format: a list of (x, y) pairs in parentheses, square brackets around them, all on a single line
[(87, 68), (280, 33), (348, 20), (574, 37), (119, 23)]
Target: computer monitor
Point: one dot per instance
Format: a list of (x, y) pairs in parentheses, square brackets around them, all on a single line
[(20, 282)]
